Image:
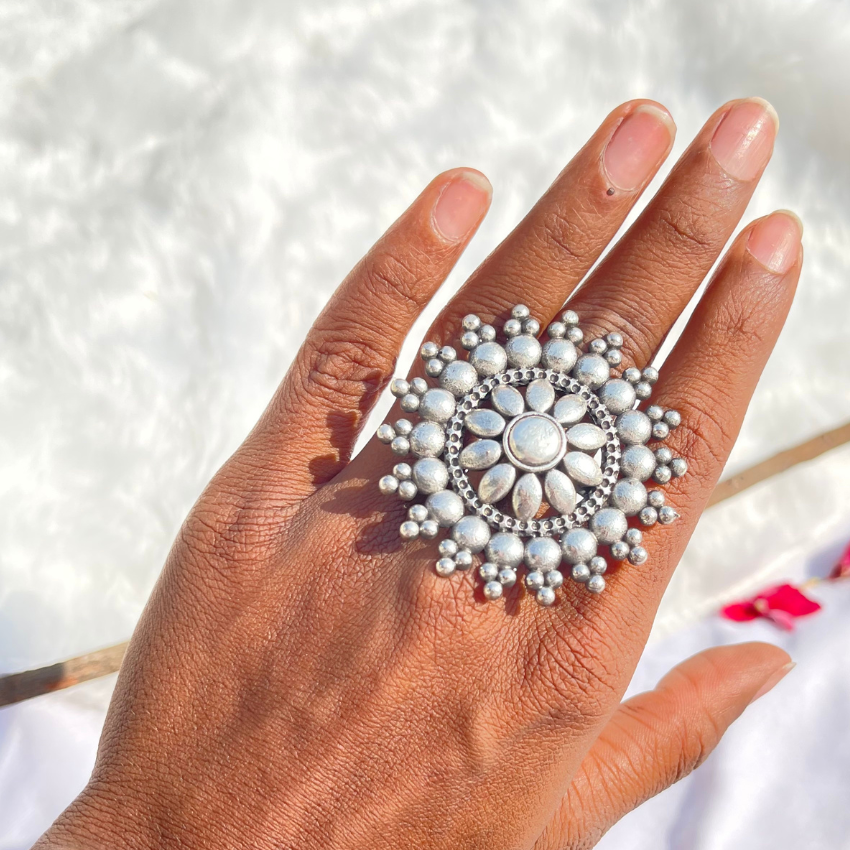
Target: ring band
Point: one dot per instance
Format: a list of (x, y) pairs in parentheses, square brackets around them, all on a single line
[(532, 454)]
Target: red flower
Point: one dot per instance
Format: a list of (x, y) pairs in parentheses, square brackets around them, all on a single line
[(842, 568), (781, 605)]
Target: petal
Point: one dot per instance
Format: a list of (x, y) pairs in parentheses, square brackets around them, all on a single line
[(496, 483), (485, 422), (528, 496), (480, 455), (540, 395), (570, 409), (560, 492), (508, 401), (790, 599)]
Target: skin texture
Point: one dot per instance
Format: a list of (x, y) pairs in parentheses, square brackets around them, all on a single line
[(300, 679)]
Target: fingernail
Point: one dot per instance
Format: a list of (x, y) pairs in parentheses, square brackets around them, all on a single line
[(638, 146), (743, 141), (462, 205), (774, 680), (775, 241)]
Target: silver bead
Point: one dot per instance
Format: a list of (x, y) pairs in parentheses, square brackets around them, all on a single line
[(399, 387), (540, 395), (469, 339), (429, 529), (634, 427), (471, 322), (527, 497), (666, 515), (545, 597), (463, 559), (643, 390), (407, 490), (409, 530), (410, 403), (614, 340), (487, 333), (650, 375), (570, 318), (419, 386), (662, 474), (663, 455), (580, 573), (488, 571), (505, 549), (560, 492), (446, 507), (520, 311), (660, 430), (513, 327), (471, 533), (542, 554), (586, 437), (493, 590), (596, 584), (480, 455), (631, 375), (578, 546), (402, 471), (637, 462), (437, 405), (508, 401), (597, 346), (557, 330), (400, 446), (614, 357), (575, 335), (629, 495), (445, 567), (434, 367), (459, 378), (447, 548), (507, 577), (592, 371), (523, 352), (598, 565), (559, 354), (418, 513), (648, 516), (534, 580), (617, 395), (429, 351), (656, 498), (447, 354), (496, 483), (634, 537), (619, 550), (655, 412), (430, 475), (484, 422), (583, 469), (554, 579), (638, 555), (488, 359), (569, 409), (403, 427), (531, 327), (388, 485), (427, 439), (673, 418), (678, 466), (609, 525), (385, 433)]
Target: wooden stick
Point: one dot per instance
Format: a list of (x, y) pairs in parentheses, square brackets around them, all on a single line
[(22, 686)]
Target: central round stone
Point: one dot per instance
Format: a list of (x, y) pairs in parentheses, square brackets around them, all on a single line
[(534, 442)]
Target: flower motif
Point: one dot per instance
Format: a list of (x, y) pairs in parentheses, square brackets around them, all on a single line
[(532, 453), (781, 605)]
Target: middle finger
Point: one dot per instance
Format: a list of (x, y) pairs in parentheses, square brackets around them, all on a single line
[(647, 279)]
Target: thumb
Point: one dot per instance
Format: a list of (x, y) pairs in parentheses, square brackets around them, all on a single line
[(657, 738)]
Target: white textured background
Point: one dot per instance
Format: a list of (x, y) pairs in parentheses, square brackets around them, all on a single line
[(182, 185)]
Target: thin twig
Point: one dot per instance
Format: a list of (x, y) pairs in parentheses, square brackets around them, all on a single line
[(22, 686)]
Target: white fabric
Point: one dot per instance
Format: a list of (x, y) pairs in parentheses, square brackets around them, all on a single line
[(182, 184)]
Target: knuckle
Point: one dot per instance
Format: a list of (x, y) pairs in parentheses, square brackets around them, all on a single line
[(346, 366), (705, 437), (389, 275), (564, 236), (689, 228)]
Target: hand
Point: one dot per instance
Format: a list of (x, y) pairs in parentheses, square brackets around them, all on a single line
[(300, 679)]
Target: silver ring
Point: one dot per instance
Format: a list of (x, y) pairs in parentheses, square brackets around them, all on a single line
[(544, 478)]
